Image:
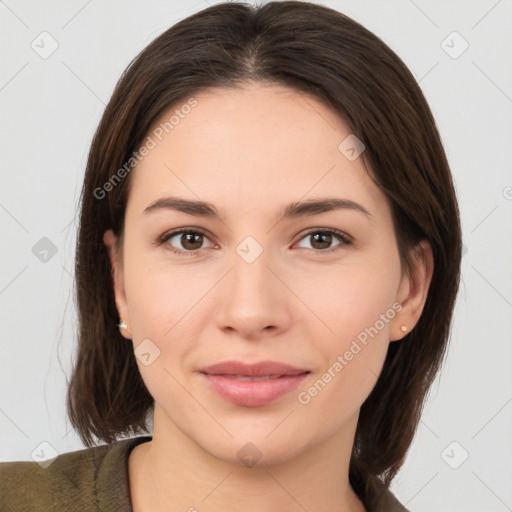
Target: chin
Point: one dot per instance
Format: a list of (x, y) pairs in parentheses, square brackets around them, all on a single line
[(254, 449)]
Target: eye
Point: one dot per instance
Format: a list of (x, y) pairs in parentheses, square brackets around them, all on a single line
[(321, 239), (190, 239)]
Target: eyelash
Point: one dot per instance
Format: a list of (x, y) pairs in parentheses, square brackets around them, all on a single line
[(341, 237)]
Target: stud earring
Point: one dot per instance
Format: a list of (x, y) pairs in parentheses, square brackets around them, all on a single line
[(403, 328), (122, 326)]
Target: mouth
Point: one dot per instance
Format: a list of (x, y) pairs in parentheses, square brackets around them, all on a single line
[(263, 369), (247, 378), (253, 385)]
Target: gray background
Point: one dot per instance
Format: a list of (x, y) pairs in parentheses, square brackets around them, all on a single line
[(50, 109)]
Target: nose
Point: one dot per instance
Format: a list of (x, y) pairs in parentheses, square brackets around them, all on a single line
[(254, 300)]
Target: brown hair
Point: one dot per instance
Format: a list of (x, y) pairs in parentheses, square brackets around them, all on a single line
[(315, 50)]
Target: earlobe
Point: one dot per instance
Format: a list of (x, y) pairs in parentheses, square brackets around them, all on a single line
[(109, 238), (413, 291)]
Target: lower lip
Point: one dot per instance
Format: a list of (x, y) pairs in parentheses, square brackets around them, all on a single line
[(255, 393)]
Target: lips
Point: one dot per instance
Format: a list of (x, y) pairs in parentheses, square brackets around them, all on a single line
[(253, 385), (256, 371)]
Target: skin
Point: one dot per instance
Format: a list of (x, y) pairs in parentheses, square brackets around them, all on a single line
[(249, 151)]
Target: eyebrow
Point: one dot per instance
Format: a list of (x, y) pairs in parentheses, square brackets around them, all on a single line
[(291, 211)]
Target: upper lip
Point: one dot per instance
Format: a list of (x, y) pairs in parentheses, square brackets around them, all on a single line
[(261, 369)]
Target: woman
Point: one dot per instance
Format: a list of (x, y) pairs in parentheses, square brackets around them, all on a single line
[(267, 264)]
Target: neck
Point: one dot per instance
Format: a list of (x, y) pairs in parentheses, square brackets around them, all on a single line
[(174, 473)]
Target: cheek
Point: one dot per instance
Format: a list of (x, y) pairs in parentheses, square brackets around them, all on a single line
[(352, 359), (355, 306), (348, 298), (163, 298), (166, 307), (339, 391)]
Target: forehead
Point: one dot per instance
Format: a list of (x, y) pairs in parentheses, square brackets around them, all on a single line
[(249, 146)]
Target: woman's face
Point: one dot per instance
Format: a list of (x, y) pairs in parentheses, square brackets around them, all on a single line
[(257, 285)]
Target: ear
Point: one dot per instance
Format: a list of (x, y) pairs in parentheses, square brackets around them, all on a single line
[(117, 276), (413, 291)]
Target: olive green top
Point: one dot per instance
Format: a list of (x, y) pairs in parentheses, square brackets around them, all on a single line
[(92, 479)]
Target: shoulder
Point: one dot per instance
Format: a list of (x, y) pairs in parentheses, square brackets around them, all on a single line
[(389, 502), (379, 497), (73, 481)]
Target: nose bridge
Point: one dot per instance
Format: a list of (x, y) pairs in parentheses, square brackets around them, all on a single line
[(251, 283), (253, 298), (251, 275)]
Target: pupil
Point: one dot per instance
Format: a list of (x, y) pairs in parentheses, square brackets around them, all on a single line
[(323, 236), (188, 238)]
